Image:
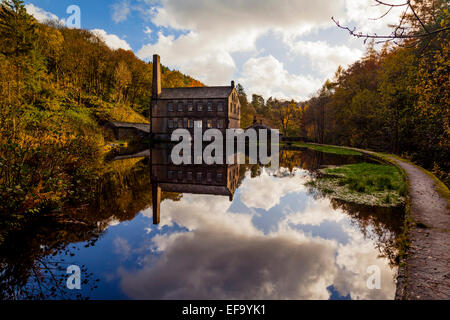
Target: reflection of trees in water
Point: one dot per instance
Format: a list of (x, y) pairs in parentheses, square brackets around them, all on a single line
[(383, 225), (35, 254), (31, 260), (313, 160)]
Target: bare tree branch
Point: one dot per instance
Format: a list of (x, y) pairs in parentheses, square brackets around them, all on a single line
[(417, 17), (399, 31), (392, 5), (384, 15), (354, 33)]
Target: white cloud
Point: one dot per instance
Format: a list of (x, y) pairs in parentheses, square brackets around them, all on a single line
[(120, 11), (111, 40), (122, 247), (265, 191), (214, 30), (315, 213), (228, 265), (41, 15), (191, 213), (354, 259), (232, 16), (147, 30), (365, 13), (208, 60), (217, 29), (223, 255), (324, 57), (268, 77)]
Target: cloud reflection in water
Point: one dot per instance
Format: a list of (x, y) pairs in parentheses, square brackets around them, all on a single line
[(225, 255)]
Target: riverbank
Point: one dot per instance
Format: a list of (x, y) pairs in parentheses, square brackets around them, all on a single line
[(424, 271), (373, 184)]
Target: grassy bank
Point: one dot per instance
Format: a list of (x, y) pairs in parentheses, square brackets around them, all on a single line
[(328, 149), (364, 183)]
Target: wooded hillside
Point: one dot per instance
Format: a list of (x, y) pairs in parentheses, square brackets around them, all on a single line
[(57, 87)]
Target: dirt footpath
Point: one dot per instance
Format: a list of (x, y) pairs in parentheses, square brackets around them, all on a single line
[(426, 274)]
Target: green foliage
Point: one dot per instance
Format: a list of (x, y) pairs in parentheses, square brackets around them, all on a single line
[(365, 183), (367, 177), (42, 176), (282, 115), (17, 29)]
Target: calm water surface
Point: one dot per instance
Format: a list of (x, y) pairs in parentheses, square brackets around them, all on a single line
[(262, 235)]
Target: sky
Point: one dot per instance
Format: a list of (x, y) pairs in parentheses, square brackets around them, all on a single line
[(284, 49)]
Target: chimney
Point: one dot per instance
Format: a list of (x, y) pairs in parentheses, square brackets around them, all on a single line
[(156, 84), (232, 84)]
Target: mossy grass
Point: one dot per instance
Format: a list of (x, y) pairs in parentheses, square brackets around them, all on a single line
[(328, 149), (364, 183)]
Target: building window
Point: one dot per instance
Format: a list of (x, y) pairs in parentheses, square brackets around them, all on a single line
[(220, 124), (200, 107), (199, 176), (170, 175), (209, 124), (180, 123), (190, 107), (191, 123), (180, 107), (189, 175), (209, 177), (220, 107), (170, 106), (238, 110), (219, 177), (210, 107), (180, 175), (170, 124), (185, 123)]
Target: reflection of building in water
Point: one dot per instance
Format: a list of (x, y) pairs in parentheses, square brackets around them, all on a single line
[(221, 180)]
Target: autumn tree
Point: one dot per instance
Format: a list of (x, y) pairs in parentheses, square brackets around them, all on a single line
[(122, 77), (287, 115), (247, 109)]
